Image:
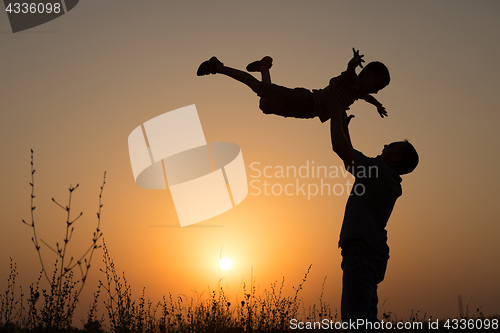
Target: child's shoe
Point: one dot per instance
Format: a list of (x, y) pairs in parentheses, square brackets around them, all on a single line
[(255, 66), (208, 67)]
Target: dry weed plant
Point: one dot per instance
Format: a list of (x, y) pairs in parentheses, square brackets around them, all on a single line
[(269, 312), (55, 310), (11, 306)]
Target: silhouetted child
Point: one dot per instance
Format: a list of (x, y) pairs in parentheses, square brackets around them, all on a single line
[(303, 103)]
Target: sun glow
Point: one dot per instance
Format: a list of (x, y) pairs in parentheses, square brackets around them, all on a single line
[(225, 263)]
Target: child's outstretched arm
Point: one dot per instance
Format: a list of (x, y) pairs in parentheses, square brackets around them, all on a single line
[(357, 60), (372, 100)]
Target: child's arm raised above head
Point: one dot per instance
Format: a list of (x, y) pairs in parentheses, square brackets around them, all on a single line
[(357, 60), (372, 100)]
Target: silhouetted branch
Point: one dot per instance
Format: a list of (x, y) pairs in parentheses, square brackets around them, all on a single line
[(61, 282)]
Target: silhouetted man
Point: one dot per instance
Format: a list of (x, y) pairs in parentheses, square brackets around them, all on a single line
[(363, 237)]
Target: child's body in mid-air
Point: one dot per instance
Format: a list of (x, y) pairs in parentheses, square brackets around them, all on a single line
[(303, 103)]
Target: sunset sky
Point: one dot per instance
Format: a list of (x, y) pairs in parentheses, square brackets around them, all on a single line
[(74, 88)]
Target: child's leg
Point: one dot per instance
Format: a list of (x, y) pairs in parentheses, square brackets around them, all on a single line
[(274, 99), (297, 103), (214, 66), (240, 76), (266, 74), (286, 102), (266, 105), (263, 67)]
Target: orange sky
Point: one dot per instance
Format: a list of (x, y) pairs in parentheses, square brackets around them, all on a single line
[(74, 88)]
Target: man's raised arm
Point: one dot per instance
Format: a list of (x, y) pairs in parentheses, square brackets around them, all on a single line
[(341, 141)]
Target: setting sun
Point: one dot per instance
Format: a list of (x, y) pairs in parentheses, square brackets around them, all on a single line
[(225, 263)]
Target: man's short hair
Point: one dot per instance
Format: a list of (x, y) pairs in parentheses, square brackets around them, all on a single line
[(378, 69), (409, 158)]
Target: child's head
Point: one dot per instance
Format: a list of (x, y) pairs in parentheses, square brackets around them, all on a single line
[(401, 156), (374, 77)]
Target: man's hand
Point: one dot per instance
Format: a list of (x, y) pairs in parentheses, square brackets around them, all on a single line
[(345, 119), (348, 119), (357, 59), (381, 111)]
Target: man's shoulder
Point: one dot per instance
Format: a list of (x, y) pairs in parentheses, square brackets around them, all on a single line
[(362, 159), (359, 160), (363, 163)]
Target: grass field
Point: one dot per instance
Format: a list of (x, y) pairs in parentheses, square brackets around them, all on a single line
[(115, 310), (52, 310)]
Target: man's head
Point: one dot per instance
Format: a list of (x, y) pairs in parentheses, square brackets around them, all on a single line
[(374, 77), (401, 156)]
